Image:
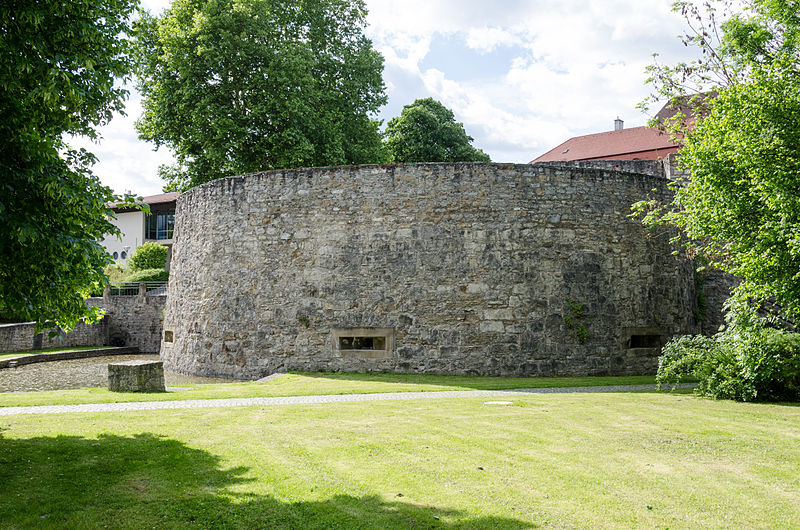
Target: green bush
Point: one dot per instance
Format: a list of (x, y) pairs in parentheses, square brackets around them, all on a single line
[(115, 273), (148, 256), (148, 275), (755, 364)]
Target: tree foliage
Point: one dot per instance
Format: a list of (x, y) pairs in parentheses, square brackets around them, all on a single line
[(150, 255), (237, 86), (59, 62), (740, 207), (730, 43), (155, 274), (753, 364), (426, 131)]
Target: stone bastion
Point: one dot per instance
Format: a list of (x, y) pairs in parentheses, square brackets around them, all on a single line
[(495, 269)]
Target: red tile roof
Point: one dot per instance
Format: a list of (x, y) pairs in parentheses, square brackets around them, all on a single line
[(637, 143)]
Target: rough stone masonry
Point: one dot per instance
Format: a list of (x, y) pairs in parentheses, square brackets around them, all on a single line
[(465, 268), (136, 376)]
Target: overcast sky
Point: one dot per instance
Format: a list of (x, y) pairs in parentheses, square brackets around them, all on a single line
[(521, 75)]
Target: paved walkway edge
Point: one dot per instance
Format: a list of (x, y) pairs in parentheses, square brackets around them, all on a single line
[(312, 400)]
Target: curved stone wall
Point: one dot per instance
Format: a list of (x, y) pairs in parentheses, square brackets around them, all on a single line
[(445, 268)]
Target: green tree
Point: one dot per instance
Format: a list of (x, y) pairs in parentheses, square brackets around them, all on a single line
[(57, 78), (238, 86), (740, 207), (426, 131), (150, 255), (730, 45)]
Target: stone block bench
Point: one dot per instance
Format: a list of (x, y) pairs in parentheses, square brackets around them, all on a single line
[(136, 376)]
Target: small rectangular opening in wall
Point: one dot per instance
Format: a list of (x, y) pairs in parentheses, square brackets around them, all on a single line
[(363, 343), (645, 341), (167, 335)]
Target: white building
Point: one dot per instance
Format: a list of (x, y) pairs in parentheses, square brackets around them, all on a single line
[(137, 228)]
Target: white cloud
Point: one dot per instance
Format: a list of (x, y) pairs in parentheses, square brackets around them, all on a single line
[(494, 128), (487, 39), (405, 52), (425, 17), (576, 64), (155, 6), (124, 161), (572, 67)]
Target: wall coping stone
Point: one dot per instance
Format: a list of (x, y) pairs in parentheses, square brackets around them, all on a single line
[(586, 168), (65, 356)]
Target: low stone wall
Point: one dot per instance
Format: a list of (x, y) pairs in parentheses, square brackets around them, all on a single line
[(65, 356), (133, 320), (21, 337), (129, 321)]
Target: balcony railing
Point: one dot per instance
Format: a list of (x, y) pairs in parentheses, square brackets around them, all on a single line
[(132, 288)]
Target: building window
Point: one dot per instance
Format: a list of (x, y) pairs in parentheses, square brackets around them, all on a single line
[(160, 226), (124, 255), (115, 255)]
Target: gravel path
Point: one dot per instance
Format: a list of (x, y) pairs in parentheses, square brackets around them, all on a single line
[(310, 400)]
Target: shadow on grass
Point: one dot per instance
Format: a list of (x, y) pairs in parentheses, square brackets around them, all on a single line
[(483, 382), (154, 482)]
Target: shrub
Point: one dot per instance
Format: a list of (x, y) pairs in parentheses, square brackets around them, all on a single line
[(148, 256), (754, 364), (148, 275), (115, 273)]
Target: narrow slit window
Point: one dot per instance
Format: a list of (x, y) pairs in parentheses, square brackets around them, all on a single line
[(362, 343), (167, 336), (645, 341)]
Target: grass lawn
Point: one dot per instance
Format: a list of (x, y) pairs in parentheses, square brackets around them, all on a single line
[(299, 384), (650, 460), (48, 350)]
